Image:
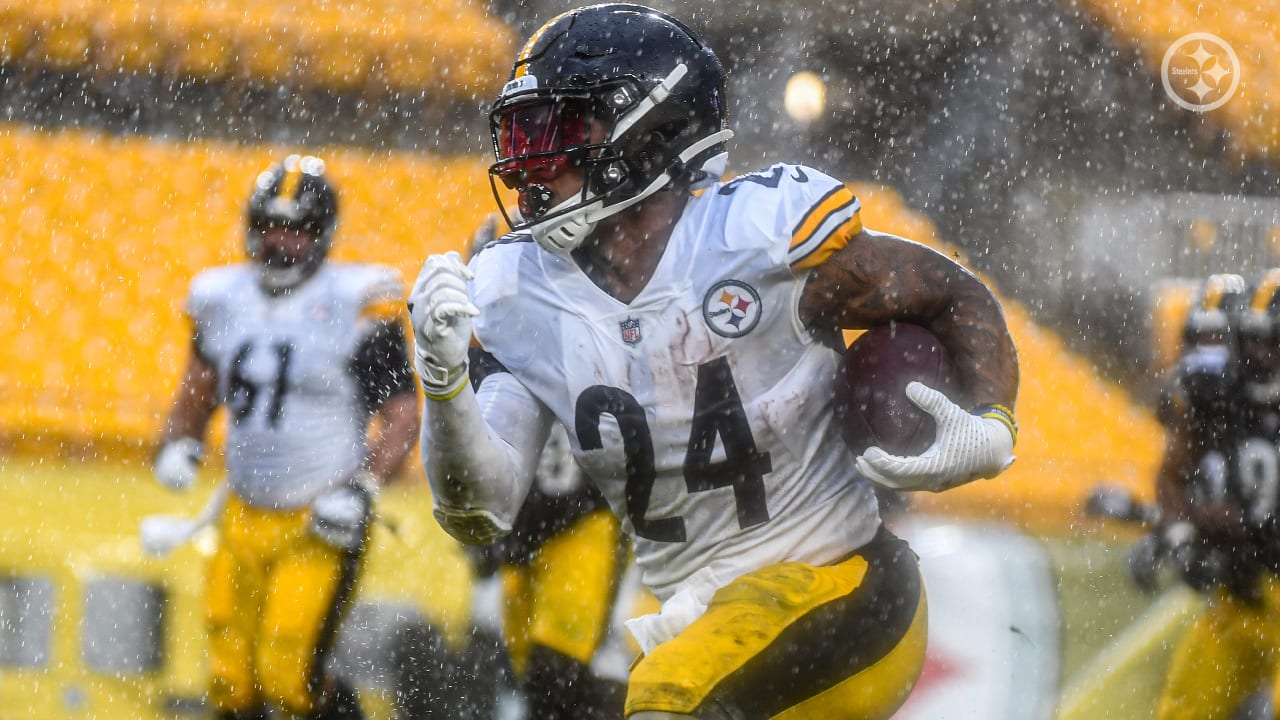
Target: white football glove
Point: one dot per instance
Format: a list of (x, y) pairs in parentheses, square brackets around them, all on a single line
[(339, 515), (967, 447), (177, 462), (441, 311), (161, 534)]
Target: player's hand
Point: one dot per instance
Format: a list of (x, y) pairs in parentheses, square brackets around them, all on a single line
[(967, 447), (441, 311), (1144, 558), (339, 515), (177, 462)]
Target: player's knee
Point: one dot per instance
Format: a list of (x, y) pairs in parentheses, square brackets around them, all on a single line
[(231, 679), (558, 686), (284, 671)]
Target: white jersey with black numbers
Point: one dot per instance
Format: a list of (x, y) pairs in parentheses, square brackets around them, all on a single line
[(703, 408), (296, 419)]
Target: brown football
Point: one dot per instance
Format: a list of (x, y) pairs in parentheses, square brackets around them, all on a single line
[(871, 403)]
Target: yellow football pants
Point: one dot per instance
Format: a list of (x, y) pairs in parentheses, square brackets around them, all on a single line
[(1231, 651), (274, 596), (564, 597), (794, 641)]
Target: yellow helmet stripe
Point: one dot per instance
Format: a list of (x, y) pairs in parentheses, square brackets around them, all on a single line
[(527, 50), (289, 183), (1218, 286), (1266, 290)]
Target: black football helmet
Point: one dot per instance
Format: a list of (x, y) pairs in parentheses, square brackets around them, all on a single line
[(652, 84), (1260, 340), (1215, 315), (293, 194)]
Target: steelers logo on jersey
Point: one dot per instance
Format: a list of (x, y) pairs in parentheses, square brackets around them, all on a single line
[(731, 308)]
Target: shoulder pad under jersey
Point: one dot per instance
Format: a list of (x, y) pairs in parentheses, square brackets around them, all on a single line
[(806, 211)]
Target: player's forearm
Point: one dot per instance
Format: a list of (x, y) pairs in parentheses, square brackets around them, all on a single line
[(973, 328), (399, 429), (194, 403), (186, 420), (880, 278), (469, 467)]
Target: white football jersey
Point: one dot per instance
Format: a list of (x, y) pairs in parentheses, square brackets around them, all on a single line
[(296, 420), (703, 408)]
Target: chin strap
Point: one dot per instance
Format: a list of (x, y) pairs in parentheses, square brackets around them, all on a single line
[(564, 233)]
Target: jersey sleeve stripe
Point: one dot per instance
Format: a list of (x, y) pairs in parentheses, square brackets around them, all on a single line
[(833, 219), (815, 253)]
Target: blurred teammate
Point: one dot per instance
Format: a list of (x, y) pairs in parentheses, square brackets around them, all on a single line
[(1220, 478), (559, 569), (684, 332), (304, 354)]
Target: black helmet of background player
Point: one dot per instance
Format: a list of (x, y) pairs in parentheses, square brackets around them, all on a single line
[(653, 85), (1208, 373), (295, 196), (1215, 315), (1260, 341)]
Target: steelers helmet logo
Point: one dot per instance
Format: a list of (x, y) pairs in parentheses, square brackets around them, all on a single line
[(1200, 72), (731, 308)]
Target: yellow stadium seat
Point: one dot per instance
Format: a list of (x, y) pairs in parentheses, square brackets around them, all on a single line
[(17, 33), (337, 50), (129, 39), (64, 32), (409, 63), (475, 55), (201, 43), (268, 46)]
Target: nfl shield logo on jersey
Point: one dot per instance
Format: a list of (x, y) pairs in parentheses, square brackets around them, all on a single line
[(630, 331)]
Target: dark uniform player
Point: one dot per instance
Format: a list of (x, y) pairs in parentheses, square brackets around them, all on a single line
[(1220, 477), (559, 568)]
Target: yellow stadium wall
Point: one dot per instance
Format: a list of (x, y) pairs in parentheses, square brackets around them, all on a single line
[(102, 236), (445, 48)]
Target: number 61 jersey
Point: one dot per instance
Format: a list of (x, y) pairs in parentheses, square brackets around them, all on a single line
[(292, 374), (703, 408)]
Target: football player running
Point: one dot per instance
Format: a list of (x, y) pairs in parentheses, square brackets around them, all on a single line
[(686, 333), (1220, 479), (304, 354)]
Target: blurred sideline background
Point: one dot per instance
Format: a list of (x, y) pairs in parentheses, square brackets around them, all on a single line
[(1031, 139)]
